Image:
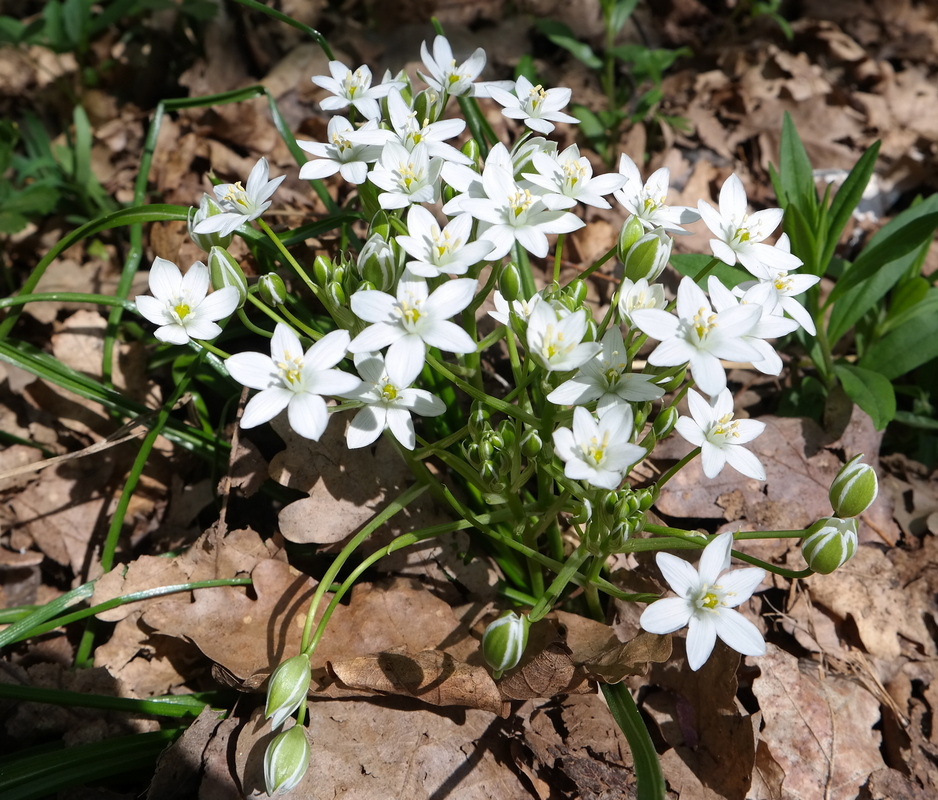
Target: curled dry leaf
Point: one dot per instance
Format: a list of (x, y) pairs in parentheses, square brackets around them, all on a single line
[(431, 676)]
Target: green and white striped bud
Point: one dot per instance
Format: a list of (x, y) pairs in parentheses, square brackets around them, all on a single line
[(287, 689), (286, 761), (509, 282), (336, 293), (207, 208), (854, 489), (665, 421), (631, 232), (225, 271), (531, 443), (471, 151), (322, 270), (504, 641), (272, 290), (648, 257), (379, 262), (829, 543)]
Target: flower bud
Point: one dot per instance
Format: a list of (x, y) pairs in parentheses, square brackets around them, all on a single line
[(271, 289), (225, 271), (286, 760), (531, 443), (471, 151), (509, 282), (322, 270), (574, 294), (478, 418), (504, 641), (854, 489), (829, 542), (472, 454), (428, 105), (489, 472), (287, 689), (378, 262), (631, 232), (207, 208), (648, 257), (506, 432), (665, 421), (336, 293)]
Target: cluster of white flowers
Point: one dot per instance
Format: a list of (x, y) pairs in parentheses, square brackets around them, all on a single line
[(454, 213)]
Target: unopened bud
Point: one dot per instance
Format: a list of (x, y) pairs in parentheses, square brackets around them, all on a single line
[(322, 270), (336, 293), (287, 689), (378, 262), (829, 542), (489, 471), (509, 282), (648, 257), (631, 232), (286, 761), (272, 290), (854, 489), (665, 421), (576, 292), (207, 208), (504, 641), (478, 419), (225, 271), (506, 432), (473, 456), (531, 443), (471, 151)]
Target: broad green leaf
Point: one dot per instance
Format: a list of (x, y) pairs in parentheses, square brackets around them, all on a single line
[(870, 390), (906, 346), (620, 14), (32, 199), (847, 199), (910, 303), (795, 172), (590, 125), (563, 37), (907, 232), (691, 264), (916, 421), (861, 298), (11, 30)]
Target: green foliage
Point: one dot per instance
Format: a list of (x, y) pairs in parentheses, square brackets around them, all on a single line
[(638, 98), (880, 296)]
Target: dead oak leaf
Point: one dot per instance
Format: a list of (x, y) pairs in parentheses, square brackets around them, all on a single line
[(819, 731)]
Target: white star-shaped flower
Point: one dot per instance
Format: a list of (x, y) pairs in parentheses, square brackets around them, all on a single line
[(513, 213), (537, 106), (407, 177), (240, 204), (411, 132), (289, 378), (179, 304), (648, 201), (740, 234), (348, 151), (598, 451), (413, 320), (445, 76), (711, 427), (698, 336), (557, 343), (353, 88), (606, 378), (439, 251), (706, 601), (568, 178), (635, 295), (389, 401)]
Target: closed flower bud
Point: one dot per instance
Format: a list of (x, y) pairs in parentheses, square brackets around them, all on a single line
[(648, 257), (379, 262), (489, 471), (574, 294), (380, 225), (854, 489), (504, 641), (478, 419), (322, 270), (665, 421), (631, 232), (271, 289), (287, 689), (286, 761), (531, 443), (336, 293), (207, 208), (829, 542), (428, 105), (506, 432), (473, 456), (509, 282), (471, 151), (225, 271)]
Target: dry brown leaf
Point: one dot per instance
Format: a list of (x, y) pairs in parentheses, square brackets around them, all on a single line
[(819, 731), (377, 750), (431, 676)]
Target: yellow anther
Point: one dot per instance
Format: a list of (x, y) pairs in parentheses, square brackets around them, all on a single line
[(182, 311), (389, 391)]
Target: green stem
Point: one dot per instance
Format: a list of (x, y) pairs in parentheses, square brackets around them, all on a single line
[(402, 501), (559, 583), (69, 297), (706, 270), (558, 257), (648, 774), (251, 326), (677, 468), (595, 266)]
